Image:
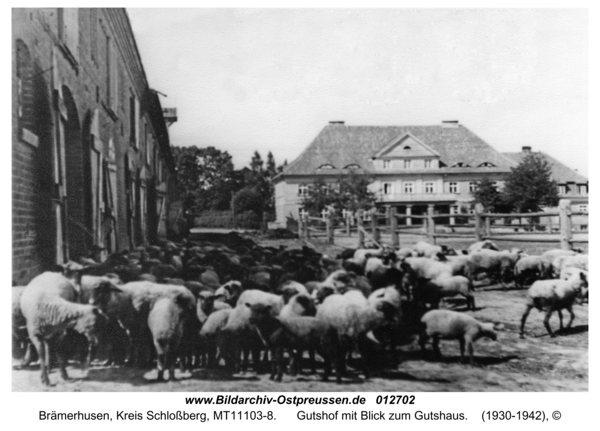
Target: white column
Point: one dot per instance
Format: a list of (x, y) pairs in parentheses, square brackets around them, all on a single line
[(409, 212)]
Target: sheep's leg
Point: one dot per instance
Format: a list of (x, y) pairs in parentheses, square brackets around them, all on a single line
[(470, 347), (28, 358), (570, 310), (547, 322), (462, 349), (313, 362), (279, 360), (41, 347), (436, 346), (160, 360), (273, 364), (560, 319), (297, 362), (471, 302), (524, 318), (423, 338)]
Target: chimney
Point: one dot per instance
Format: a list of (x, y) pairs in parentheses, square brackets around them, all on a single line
[(339, 123), (450, 124), (526, 149)]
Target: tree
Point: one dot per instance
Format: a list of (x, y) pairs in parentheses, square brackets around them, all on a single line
[(490, 197), (530, 186), (206, 178), (350, 191)]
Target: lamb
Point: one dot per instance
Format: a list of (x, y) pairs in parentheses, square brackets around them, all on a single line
[(48, 307), (432, 291), (296, 334), (452, 325), (555, 295)]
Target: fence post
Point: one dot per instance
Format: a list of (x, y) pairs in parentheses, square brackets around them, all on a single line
[(488, 226), (300, 227), (359, 227), (348, 223), (329, 227), (374, 231), (306, 227), (566, 231), (430, 224), (478, 222), (394, 228)]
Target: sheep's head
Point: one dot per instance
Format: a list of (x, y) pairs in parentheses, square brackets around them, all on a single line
[(92, 324), (102, 292), (260, 313), (488, 331)]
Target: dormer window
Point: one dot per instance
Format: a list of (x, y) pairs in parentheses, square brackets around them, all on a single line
[(407, 147), (460, 165), (407, 164), (326, 166), (387, 164), (352, 166), (486, 165)]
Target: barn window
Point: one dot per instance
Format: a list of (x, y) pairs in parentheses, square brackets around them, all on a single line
[(25, 95)]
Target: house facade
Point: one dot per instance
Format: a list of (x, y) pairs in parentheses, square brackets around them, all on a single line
[(92, 169), (412, 167)]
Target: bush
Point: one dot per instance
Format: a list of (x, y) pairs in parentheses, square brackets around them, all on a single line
[(224, 220)]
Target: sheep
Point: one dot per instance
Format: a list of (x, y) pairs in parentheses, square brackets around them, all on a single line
[(452, 325), (230, 292), (432, 291), (48, 307), (361, 255), (527, 270), (498, 265), (296, 334), (239, 334), (563, 261), (548, 258), (425, 249), (300, 304), (21, 346), (482, 245), (210, 336), (554, 295), (166, 321), (404, 252), (354, 318), (459, 265), (427, 268)]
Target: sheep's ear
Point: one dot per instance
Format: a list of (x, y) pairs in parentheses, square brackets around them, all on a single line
[(248, 305)]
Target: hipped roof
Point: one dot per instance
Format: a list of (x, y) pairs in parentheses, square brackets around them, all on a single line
[(341, 145), (561, 173)]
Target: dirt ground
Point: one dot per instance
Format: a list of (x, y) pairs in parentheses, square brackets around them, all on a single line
[(536, 363)]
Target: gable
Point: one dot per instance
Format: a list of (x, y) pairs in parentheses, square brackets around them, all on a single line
[(406, 146)]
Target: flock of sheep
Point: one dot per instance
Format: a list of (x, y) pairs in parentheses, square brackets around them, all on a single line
[(212, 305)]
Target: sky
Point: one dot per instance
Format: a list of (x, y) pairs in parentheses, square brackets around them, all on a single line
[(271, 79)]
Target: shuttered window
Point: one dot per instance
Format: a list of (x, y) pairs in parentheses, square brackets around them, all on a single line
[(25, 95)]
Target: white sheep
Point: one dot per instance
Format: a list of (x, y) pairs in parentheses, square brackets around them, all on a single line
[(49, 309), (526, 269), (361, 255), (210, 336), (452, 325), (548, 258), (554, 295), (425, 249), (428, 268), (354, 319), (444, 286), (482, 245), (577, 261)]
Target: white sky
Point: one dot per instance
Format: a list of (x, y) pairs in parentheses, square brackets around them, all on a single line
[(271, 79)]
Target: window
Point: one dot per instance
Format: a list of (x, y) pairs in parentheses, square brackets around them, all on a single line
[(429, 187), (562, 190), (134, 121), (486, 165), (583, 208), (407, 164), (387, 188), (112, 77), (428, 163), (25, 95), (409, 188), (387, 164), (583, 189), (407, 147), (68, 30), (326, 166), (94, 35), (302, 189), (453, 187), (460, 165), (472, 186)]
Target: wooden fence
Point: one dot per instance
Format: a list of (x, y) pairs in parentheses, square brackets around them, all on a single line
[(479, 226)]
